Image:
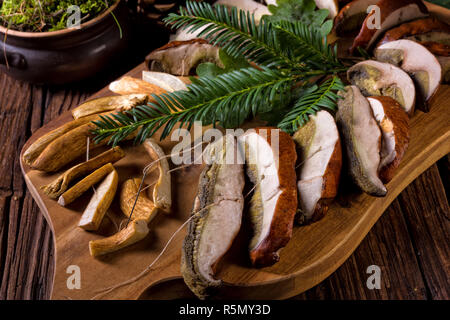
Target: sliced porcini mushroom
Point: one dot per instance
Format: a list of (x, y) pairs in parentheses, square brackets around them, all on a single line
[(391, 14), (166, 81), (320, 157), (134, 232), (130, 85), (362, 140), (376, 78), (445, 65), (270, 157), (430, 32), (162, 192), (256, 8), (180, 58), (140, 208), (394, 124), (119, 103), (101, 200), (331, 5), (216, 219), (351, 16), (415, 59)]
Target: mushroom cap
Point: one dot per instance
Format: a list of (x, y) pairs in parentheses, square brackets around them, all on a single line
[(376, 78), (394, 125), (392, 13), (430, 32), (415, 59), (351, 16)]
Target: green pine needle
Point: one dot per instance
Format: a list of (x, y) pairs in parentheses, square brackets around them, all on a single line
[(312, 100), (228, 100)]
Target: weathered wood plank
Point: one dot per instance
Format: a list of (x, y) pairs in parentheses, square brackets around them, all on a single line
[(388, 246), (428, 223)]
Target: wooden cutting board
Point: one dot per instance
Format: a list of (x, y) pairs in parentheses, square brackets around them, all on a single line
[(314, 252)]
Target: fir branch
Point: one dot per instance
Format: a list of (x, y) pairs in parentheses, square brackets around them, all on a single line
[(228, 99), (236, 32), (311, 101)]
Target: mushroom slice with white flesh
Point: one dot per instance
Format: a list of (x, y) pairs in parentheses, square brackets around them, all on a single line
[(166, 81), (351, 16), (101, 200), (99, 105), (270, 157), (391, 13), (330, 5), (376, 78), (130, 85), (134, 232), (320, 157), (415, 59), (362, 140), (394, 124), (255, 8), (180, 58), (216, 218), (162, 192)]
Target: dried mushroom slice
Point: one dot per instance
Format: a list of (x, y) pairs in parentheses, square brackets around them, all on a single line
[(144, 209), (98, 205), (162, 192), (216, 219), (129, 85), (111, 103), (134, 232), (362, 140)]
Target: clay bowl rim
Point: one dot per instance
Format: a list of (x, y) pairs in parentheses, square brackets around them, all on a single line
[(57, 33)]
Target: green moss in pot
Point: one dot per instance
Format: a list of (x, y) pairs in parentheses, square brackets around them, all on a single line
[(37, 46)]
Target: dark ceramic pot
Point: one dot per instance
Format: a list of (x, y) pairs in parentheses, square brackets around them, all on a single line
[(68, 55)]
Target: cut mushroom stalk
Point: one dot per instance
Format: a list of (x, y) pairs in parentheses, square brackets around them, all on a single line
[(320, 156), (270, 157), (144, 209), (362, 138), (415, 59), (216, 219), (101, 200), (129, 85), (162, 192), (394, 125), (375, 78), (134, 232)]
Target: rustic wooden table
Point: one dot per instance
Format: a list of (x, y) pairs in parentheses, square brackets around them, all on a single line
[(410, 243)]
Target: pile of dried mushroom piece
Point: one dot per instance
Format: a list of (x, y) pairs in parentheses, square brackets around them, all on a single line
[(50, 154)]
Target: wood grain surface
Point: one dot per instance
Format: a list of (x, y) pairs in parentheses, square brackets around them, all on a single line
[(315, 251), (410, 242)]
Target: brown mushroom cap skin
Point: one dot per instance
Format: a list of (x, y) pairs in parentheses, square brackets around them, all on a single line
[(414, 29), (395, 121), (367, 36), (351, 16), (264, 252)]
